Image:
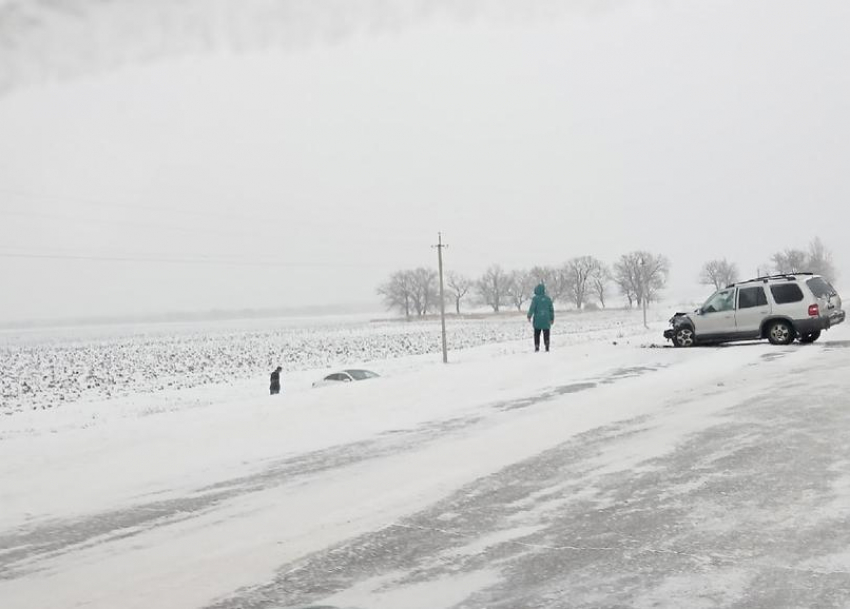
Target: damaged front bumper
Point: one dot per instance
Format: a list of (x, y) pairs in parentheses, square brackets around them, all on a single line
[(677, 320)]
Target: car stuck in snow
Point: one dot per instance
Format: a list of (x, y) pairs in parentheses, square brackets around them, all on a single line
[(346, 376)]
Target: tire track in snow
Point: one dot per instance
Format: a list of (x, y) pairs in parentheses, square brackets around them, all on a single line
[(735, 514), (22, 550)]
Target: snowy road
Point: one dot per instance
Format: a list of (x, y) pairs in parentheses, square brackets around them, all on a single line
[(594, 476)]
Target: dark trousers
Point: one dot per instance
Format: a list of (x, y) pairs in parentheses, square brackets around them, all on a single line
[(537, 333), (274, 388)]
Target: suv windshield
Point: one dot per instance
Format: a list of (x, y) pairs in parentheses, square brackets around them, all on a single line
[(820, 287), (720, 301)]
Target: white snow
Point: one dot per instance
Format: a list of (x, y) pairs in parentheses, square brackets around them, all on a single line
[(223, 433), (444, 592), (52, 367), (440, 428)]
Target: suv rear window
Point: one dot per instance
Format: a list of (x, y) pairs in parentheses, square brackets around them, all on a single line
[(784, 294), (751, 297), (820, 287)]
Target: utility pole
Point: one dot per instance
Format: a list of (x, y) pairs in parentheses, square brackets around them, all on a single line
[(440, 245), (644, 289)]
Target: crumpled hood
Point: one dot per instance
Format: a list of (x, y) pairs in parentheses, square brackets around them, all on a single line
[(540, 290), (679, 317)]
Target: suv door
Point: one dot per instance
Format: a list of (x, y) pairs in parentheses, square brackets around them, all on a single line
[(752, 310), (717, 316)]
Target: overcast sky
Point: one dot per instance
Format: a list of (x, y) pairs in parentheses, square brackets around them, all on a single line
[(322, 145)]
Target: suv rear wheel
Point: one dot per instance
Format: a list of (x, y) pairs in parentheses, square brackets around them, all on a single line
[(780, 333), (684, 337), (810, 338)]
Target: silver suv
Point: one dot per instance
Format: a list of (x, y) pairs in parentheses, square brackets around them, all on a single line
[(779, 308)]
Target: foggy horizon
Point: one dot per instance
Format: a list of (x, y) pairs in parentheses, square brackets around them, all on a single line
[(193, 156)]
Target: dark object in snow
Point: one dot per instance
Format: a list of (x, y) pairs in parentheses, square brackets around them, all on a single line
[(274, 384)]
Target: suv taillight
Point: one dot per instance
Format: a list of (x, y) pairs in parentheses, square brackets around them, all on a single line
[(814, 310)]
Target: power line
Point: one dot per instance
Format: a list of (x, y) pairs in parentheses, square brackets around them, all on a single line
[(205, 261), (394, 242), (27, 249), (102, 221), (112, 205), (326, 220)]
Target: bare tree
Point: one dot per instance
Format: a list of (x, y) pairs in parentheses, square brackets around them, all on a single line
[(519, 288), (820, 260), (425, 291), (553, 278), (599, 283), (817, 259), (719, 273), (654, 269), (459, 286), (579, 272), (492, 287), (641, 276), (765, 268), (790, 261), (397, 292), (626, 278)]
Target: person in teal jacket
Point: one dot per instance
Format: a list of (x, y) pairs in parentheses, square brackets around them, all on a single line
[(541, 314)]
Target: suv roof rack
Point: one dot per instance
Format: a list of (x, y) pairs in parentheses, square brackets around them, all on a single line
[(766, 278)]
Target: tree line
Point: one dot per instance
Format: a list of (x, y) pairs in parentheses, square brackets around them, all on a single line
[(580, 281), (817, 259)]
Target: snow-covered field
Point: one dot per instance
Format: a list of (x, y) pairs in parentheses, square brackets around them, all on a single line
[(598, 475), (52, 367)]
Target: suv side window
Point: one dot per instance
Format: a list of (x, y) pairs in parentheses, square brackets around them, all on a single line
[(820, 288), (786, 293), (751, 297)]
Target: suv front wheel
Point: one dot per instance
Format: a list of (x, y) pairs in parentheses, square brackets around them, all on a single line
[(684, 337), (780, 333)]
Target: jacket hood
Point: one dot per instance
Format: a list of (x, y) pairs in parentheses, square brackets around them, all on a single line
[(540, 290)]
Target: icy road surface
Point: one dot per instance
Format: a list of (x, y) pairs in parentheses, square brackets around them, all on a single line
[(598, 475)]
